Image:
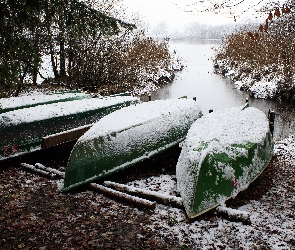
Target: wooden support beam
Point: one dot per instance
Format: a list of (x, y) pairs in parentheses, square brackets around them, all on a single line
[(119, 196), (36, 170), (40, 169), (234, 214), (60, 174), (147, 194)]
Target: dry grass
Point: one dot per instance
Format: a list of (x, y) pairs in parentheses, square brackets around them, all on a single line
[(270, 50), (122, 63)]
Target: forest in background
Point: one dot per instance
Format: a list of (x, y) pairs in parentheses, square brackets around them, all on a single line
[(88, 44)]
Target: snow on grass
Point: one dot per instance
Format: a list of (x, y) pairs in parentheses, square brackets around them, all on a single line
[(285, 150), (165, 184), (263, 83), (272, 219), (264, 89)]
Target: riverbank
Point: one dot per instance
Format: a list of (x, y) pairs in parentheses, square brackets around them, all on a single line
[(139, 89), (260, 60), (268, 83), (35, 214)]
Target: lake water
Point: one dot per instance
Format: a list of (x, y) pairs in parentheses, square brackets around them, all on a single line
[(215, 92)]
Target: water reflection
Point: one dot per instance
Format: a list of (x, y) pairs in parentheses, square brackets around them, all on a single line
[(215, 92)]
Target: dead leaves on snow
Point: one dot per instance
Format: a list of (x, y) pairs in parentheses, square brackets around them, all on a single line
[(34, 215)]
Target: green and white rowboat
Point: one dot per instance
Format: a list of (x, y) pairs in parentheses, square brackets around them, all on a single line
[(23, 130), (221, 155), (14, 103), (128, 136)]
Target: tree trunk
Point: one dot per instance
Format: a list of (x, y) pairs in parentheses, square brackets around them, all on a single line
[(21, 81), (62, 54), (70, 63), (36, 57), (54, 68)]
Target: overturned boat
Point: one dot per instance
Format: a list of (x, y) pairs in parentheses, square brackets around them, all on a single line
[(24, 130), (20, 102), (128, 136), (222, 154)]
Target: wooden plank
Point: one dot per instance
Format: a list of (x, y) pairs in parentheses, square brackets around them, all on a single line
[(65, 136)]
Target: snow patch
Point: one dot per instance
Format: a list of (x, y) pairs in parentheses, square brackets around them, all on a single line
[(264, 89)]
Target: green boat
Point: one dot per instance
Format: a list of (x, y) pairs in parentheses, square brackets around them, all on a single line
[(14, 103), (128, 136), (23, 130), (222, 154)]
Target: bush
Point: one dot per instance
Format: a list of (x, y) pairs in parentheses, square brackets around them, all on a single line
[(121, 63), (268, 54)]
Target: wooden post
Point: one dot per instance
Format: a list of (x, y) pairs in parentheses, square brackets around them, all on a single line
[(247, 104), (271, 118)]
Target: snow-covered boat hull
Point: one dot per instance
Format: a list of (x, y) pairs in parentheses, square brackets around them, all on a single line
[(14, 103), (222, 154), (21, 131), (128, 136)]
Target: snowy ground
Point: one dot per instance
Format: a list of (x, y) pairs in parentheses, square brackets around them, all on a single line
[(272, 215), (102, 223)]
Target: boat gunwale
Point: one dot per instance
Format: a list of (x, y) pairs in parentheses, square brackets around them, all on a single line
[(125, 165)]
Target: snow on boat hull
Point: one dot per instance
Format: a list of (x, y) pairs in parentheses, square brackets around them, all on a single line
[(128, 136), (222, 154), (14, 103), (21, 131)]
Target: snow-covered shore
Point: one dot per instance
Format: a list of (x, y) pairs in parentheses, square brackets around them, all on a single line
[(267, 83), (97, 220)]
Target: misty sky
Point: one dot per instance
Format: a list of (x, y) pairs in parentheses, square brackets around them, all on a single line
[(177, 13)]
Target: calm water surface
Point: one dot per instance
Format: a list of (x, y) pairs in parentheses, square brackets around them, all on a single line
[(215, 92)]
